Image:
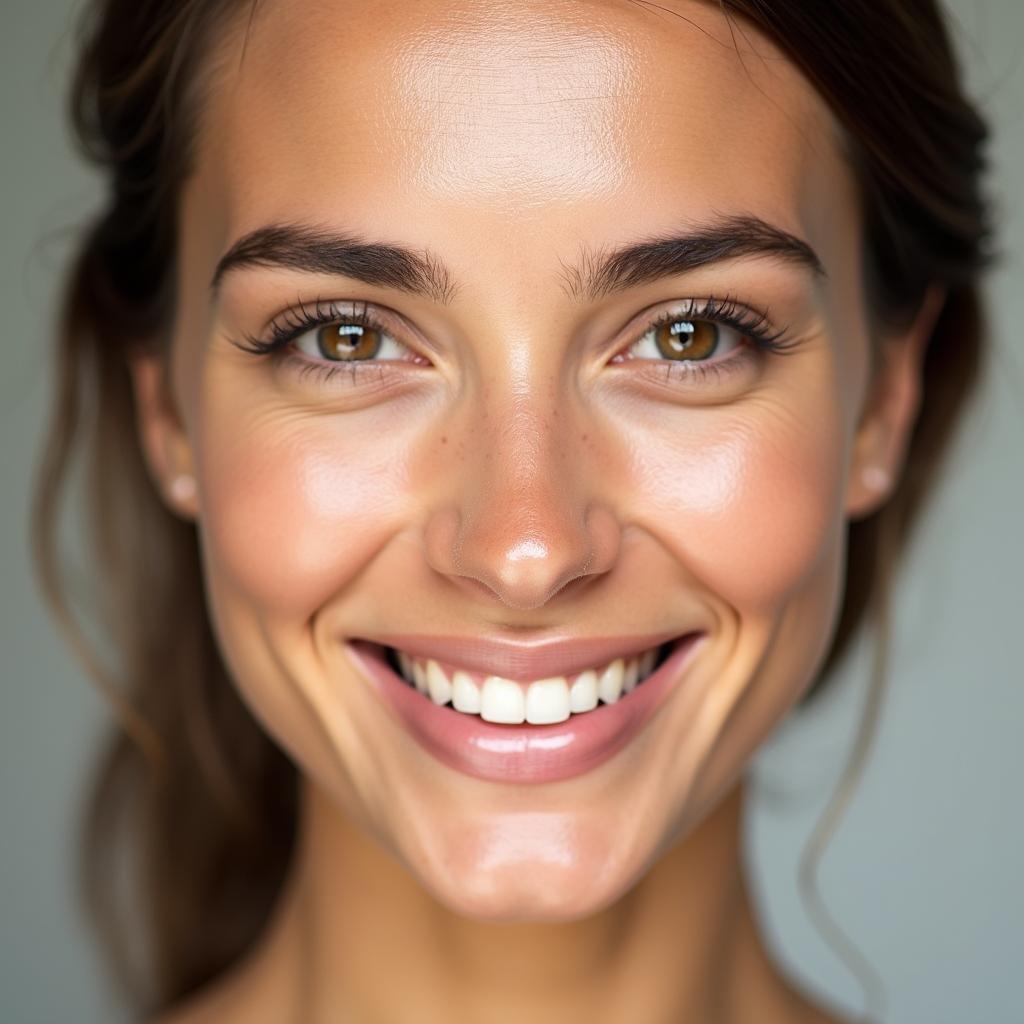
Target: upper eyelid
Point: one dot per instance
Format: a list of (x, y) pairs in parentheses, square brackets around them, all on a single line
[(327, 311), (697, 309), (289, 324), (388, 319)]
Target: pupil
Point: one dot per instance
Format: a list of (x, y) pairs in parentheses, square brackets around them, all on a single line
[(348, 341), (695, 339)]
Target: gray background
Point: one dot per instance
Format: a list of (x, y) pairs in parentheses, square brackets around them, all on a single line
[(924, 873)]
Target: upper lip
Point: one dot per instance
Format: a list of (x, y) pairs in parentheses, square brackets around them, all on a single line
[(525, 660)]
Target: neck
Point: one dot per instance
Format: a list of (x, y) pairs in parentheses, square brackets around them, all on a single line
[(356, 937)]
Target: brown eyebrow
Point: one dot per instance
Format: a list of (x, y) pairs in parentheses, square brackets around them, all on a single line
[(598, 273), (317, 251), (601, 272)]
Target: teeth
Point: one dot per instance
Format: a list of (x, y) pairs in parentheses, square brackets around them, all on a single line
[(583, 695), (502, 700), (547, 701), (437, 683), (630, 675), (543, 702), (406, 662), (647, 662), (419, 675), (465, 694), (609, 683)]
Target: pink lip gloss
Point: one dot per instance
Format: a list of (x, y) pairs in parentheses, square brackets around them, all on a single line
[(523, 753)]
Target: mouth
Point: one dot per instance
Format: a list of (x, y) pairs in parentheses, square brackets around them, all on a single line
[(547, 701), (525, 731)]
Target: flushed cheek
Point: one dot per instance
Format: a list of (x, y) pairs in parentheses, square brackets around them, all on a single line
[(296, 507), (749, 509)]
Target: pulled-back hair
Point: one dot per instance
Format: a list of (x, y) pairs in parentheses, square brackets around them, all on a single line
[(191, 798)]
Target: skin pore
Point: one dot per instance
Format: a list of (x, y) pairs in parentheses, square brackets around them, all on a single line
[(499, 472)]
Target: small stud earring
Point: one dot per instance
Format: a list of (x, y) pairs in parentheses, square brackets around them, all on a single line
[(875, 478), (183, 487)]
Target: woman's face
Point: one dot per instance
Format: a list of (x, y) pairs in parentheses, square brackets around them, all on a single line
[(523, 447)]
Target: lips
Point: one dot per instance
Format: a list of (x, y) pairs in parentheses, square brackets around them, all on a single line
[(523, 660), (523, 753)]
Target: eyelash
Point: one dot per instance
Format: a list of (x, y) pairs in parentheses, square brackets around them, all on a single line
[(750, 325), (295, 322)]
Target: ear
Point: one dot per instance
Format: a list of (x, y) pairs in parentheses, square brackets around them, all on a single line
[(162, 437), (890, 411)]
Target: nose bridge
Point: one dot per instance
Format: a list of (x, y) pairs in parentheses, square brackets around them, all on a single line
[(520, 428), (529, 497), (521, 523)]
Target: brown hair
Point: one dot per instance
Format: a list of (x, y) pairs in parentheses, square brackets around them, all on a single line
[(191, 797)]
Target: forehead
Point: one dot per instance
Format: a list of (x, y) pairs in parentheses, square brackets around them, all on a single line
[(460, 121)]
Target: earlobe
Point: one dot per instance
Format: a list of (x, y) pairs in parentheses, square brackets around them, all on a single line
[(891, 409), (162, 437)]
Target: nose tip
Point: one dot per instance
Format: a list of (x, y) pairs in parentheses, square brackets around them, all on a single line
[(529, 572), (524, 565)]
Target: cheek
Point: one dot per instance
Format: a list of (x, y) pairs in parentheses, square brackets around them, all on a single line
[(294, 507), (751, 506)]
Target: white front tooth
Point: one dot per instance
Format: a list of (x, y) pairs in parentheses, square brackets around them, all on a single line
[(502, 700), (647, 663), (465, 693), (406, 664), (437, 683), (630, 674), (583, 695), (547, 701), (419, 675), (609, 683)]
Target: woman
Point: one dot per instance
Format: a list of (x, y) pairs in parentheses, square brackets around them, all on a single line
[(499, 416)]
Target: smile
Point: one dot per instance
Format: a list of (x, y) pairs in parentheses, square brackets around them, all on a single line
[(524, 726), (511, 702)]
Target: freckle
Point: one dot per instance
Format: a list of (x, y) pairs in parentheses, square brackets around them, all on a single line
[(444, 440)]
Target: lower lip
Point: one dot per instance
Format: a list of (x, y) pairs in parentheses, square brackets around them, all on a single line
[(524, 753)]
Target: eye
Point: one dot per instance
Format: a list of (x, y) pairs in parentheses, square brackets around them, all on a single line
[(349, 340), (682, 339), (705, 342)]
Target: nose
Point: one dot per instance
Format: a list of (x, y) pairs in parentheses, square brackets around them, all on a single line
[(520, 522)]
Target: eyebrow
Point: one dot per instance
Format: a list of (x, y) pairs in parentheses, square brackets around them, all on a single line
[(311, 249), (598, 272), (601, 272)]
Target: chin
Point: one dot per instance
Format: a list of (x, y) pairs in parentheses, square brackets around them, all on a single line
[(548, 896), (523, 881)]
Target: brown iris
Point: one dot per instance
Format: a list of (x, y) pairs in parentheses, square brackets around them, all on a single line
[(351, 342), (686, 339)]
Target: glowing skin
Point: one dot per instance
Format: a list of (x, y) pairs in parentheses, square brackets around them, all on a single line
[(514, 481)]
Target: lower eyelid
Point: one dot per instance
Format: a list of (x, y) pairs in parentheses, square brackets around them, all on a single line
[(744, 351), (661, 368), (321, 371), (694, 371)]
